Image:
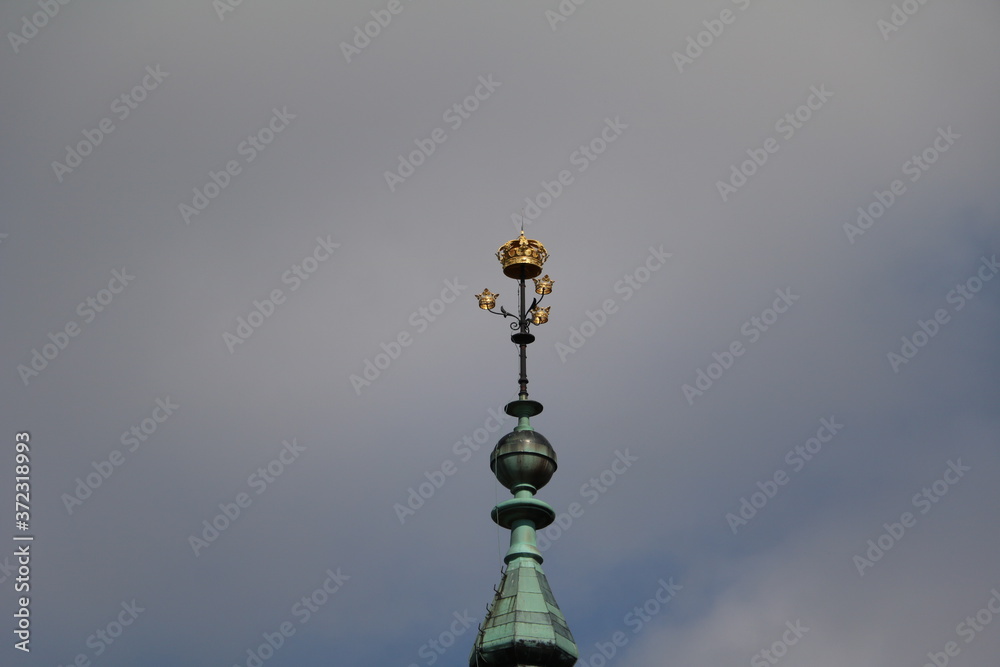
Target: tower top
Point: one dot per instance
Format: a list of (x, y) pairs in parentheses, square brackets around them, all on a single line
[(524, 626)]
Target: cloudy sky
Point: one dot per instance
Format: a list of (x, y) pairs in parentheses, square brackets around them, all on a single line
[(238, 255)]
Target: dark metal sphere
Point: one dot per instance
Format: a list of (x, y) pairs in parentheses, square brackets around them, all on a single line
[(523, 457)]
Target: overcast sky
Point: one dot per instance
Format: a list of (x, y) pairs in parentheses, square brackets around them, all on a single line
[(238, 258)]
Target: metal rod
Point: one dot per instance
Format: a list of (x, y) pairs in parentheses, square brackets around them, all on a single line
[(523, 380)]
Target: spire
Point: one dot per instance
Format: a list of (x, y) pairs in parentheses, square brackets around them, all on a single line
[(524, 626)]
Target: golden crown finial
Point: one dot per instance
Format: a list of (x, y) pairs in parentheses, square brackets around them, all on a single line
[(543, 285), (522, 258), (487, 300)]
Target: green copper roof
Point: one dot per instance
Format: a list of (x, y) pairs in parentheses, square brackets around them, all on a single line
[(524, 626)]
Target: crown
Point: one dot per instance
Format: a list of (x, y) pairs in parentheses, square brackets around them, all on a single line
[(522, 258)]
